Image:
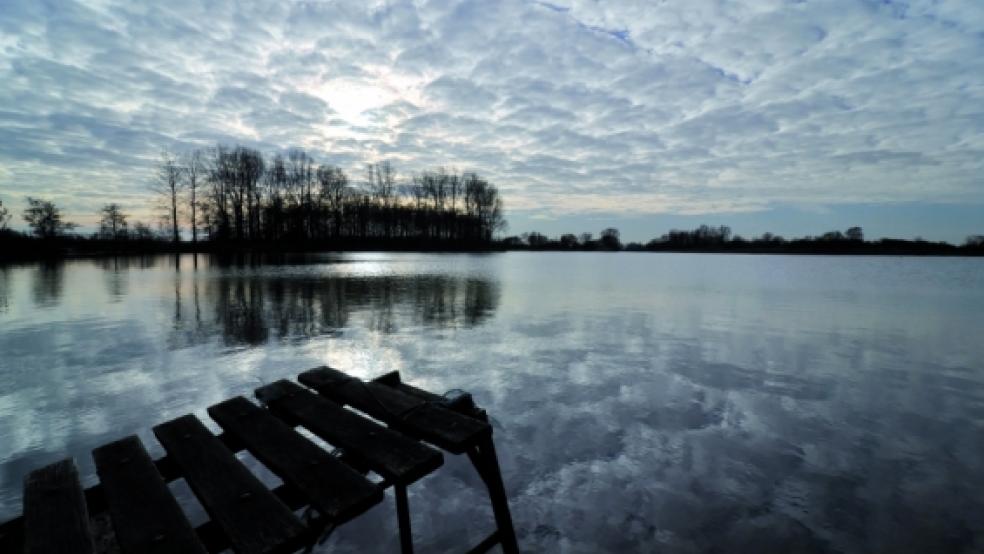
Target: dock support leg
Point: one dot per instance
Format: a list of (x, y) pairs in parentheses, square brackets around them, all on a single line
[(403, 516), (487, 464)]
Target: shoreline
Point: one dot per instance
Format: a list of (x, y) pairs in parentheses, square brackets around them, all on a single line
[(47, 255)]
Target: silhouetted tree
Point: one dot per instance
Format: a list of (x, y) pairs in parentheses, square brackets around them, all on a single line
[(168, 187), (142, 231), (45, 218), (292, 198), (770, 238), (234, 203), (112, 225), (855, 234), (610, 239), (194, 173), (381, 182), (417, 192), (702, 237), (568, 241), (482, 202), (4, 217), (301, 180), (536, 240), (332, 189)]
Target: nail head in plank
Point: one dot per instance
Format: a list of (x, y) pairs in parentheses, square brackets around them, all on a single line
[(56, 519), (427, 420), (146, 517), (393, 455), (335, 489), (250, 515)]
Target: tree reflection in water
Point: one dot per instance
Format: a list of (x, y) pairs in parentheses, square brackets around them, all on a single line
[(48, 283), (5, 275), (246, 303)]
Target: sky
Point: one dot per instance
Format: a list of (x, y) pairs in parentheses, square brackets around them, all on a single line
[(795, 117)]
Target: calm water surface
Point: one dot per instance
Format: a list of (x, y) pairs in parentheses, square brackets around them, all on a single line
[(685, 403)]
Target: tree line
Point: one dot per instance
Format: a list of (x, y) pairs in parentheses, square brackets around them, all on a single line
[(707, 238), (234, 195)]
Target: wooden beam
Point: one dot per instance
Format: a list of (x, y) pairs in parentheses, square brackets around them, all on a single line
[(56, 520), (429, 421), (253, 519), (393, 455), (146, 517), (336, 490)]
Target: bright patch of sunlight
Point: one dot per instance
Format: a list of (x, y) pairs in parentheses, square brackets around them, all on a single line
[(352, 99)]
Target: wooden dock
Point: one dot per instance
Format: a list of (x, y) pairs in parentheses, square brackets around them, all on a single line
[(245, 515)]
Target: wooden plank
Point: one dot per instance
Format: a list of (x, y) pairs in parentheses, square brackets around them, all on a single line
[(463, 404), (426, 420), (56, 519), (253, 518), (146, 518), (336, 490), (393, 455), (12, 531)]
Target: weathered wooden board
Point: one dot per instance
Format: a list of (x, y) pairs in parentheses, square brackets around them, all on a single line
[(393, 455), (56, 520), (429, 421), (336, 490), (253, 519), (463, 404), (146, 517)]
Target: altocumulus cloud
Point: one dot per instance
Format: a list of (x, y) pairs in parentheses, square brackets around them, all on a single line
[(571, 107)]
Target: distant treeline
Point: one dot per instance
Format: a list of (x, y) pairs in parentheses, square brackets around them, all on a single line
[(235, 198), (720, 239)]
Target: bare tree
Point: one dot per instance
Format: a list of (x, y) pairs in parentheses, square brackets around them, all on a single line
[(234, 202), (246, 197), (482, 201), (381, 181), (436, 185), (454, 188), (168, 186), (300, 191), (113, 223), (275, 188), (417, 192), (45, 218), (4, 217), (194, 172), (610, 239), (333, 185), (142, 231)]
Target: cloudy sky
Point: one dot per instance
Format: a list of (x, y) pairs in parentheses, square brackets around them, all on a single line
[(793, 116)]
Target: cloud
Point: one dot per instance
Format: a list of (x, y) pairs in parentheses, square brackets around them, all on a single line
[(573, 106)]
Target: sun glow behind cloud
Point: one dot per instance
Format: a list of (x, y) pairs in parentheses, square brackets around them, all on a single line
[(352, 99)]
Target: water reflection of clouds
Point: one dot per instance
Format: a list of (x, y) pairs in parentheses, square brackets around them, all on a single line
[(670, 412), (740, 456), (630, 433), (123, 344)]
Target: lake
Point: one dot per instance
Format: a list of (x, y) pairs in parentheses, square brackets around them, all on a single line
[(641, 402)]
